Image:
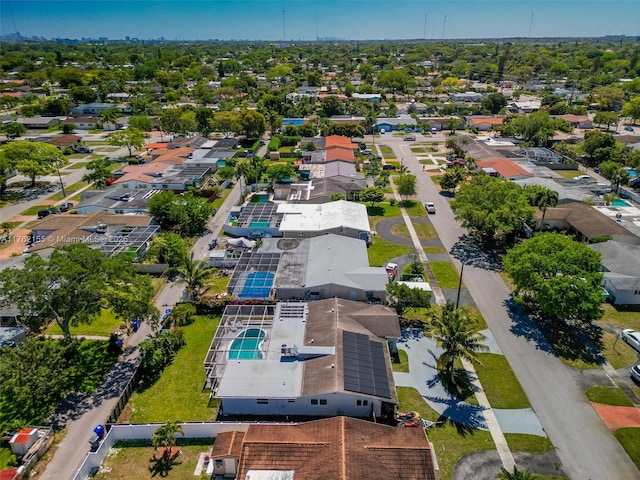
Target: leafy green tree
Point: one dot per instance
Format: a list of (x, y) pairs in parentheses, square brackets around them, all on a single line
[(185, 214), (158, 351), (616, 173), (226, 123), (544, 199), (110, 116), (165, 437), (494, 102), (169, 248), (99, 172), (558, 275), (277, 173), (401, 297), (34, 159), (457, 334), (57, 106), (335, 196), (144, 123), (372, 195), (605, 118), (631, 109), (609, 97), (406, 185), (83, 94), (536, 129), (73, 287), (182, 315), (599, 146), (493, 209), (332, 105), (130, 138), (14, 130), (252, 123), (452, 124), (451, 179), (395, 80), (193, 274), (226, 172), (68, 128)]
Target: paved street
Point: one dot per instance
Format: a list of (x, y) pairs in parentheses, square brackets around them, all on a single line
[(586, 447)]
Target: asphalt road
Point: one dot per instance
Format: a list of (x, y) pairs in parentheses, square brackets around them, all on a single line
[(587, 449)]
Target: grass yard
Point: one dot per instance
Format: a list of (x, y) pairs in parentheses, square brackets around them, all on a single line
[(216, 284), (413, 208), (125, 462), (424, 231), (76, 165), (381, 211), (217, 203), (608, 396), (534, 444), (450, 442), (629, 438), (434, 250), (476, 316), (68, 189), (622, 316), (446, 274), (178, 394), (382, 250), (500, 384), (387, 152), (622, 355), (33, 210), (104, 325), (418, 150), (400, 361), (569, 174), (76, 156)]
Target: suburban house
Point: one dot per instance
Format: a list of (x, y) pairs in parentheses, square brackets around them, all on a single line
[(96, 107), (503, 168), (567, 191), (65, 141), (466, 96), (309, 359), (83, 122), (587, 222), (368, 97), (394, 123), (338, 448), (309, 269), (577, 121), (116, 200), (162, 175), (113, 234), (39, 122), (524, 108), (621, 270), (483, 123)]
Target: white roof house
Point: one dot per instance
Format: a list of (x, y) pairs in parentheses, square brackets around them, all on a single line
[(341, 217)]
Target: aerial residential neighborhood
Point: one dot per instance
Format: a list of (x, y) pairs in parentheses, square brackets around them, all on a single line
[(289, 260)]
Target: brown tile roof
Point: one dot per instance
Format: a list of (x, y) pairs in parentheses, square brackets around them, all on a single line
[(177, 155), (506, 168), (64, 141), (335, 140), (228, 444), (491, 121), (141, 173), (339, 152), (586, 220), (574, 118), (338, 448)]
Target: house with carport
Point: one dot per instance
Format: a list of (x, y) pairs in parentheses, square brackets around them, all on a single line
[(621, 271)]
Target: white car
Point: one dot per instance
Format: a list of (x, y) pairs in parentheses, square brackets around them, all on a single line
[(635, 373), (632, 338), (430, 207)]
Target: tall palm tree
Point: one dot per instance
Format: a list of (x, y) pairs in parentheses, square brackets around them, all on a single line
[(544, 199), (165, 436), (515, 475), (193, 273), (619, 176), (457, 334)]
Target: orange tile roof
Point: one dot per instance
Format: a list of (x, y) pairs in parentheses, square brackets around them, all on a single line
[(338, 152), (339, 140), (339, 448), (506, 168), (492, 121), (149, 146), (141, 172), (177, 155)]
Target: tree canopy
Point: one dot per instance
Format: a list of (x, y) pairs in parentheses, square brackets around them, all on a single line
[(73, 287), (130, 138), (372, 195), (34, 159), (493, 209), (558, 275), (185, 214), (401, 297)]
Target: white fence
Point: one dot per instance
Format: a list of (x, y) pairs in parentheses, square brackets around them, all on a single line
[(144, 432)]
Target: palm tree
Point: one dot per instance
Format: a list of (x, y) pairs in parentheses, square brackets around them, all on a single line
[(165, 436), (544, 199), (619, 176), (457, 334), (193, 273), (516, 475)]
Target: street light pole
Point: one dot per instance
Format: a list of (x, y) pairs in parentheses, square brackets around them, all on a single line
[(459, 285), (60, 178)]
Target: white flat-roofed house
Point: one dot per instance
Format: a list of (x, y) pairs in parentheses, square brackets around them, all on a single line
[(310, 220)]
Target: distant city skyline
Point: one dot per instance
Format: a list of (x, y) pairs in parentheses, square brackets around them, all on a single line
[(276, 20)]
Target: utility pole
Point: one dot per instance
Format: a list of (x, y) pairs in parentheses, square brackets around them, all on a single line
[(444, 26), (459, 285), (424, 34)]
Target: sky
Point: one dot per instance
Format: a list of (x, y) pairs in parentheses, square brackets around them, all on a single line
[(311, 19)]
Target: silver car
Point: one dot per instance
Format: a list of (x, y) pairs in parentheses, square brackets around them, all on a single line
[(430, 207), (632, 338)]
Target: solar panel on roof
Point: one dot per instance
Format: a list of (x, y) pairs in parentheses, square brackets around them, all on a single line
[(365, 368)]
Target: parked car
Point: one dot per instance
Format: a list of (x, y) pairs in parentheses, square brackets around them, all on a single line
[(635, 372), (367, 151), (434, 130), (632, 338), (83, 149), (65, 207), (430, 207), (628, 128), (44, 213), (410, 138)]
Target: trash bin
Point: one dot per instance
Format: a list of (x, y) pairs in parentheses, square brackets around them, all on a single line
[(99, 430), (136, 325)]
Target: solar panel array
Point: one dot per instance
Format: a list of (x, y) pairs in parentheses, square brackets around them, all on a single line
[(365, 369)]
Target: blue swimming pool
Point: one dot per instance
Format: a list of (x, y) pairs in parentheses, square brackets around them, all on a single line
[(632, 173), (246, 345), (257, 285), (620, 203)]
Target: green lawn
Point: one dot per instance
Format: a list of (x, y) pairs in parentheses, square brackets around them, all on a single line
[(217, 284), (68, 189), (450, 444), (424, 231), (104, 325), (5, 455), (434, 250), (76, 165), (400, 361), (534, 444), (619, 356), (217, 203), (418, 150), (387, 152), (569, 174), (629, 438), (622, 316), (178, 394), (413, 208), (126, 462), (445, 273), (382, 250), (608, 396), (500, 384), (33, 210)]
